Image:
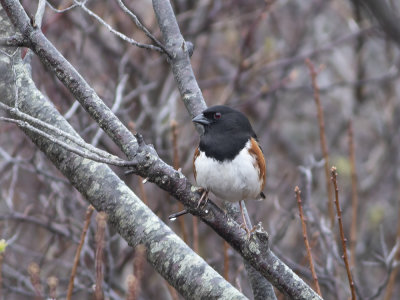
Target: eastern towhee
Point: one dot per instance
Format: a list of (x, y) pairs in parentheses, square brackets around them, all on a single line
[(229, 161)]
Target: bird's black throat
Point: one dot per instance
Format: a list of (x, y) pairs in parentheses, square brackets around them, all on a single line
[(222, 147)]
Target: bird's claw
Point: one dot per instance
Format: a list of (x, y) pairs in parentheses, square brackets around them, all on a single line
[(248, 231)]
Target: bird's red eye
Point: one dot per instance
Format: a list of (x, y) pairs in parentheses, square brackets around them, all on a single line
[(217, 116)]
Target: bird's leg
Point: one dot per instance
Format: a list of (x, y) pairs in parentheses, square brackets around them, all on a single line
[(203, 195), (244, 225)]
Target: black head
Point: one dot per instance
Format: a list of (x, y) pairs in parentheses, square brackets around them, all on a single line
[(226, 131)]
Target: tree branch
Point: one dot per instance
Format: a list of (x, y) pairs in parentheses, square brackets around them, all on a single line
[(180, 61), (142, 27), (117, 33)]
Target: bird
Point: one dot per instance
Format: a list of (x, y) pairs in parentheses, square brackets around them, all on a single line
[(229, 161)]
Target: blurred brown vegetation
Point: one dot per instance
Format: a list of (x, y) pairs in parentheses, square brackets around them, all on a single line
[(249, 55)]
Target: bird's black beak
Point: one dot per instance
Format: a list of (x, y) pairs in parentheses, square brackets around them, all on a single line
[(201, 119)]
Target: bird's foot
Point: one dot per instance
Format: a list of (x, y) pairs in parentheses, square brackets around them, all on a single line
[(204, 195), (248, 231)]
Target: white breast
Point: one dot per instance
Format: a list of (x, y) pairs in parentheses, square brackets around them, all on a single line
[(231, 181)]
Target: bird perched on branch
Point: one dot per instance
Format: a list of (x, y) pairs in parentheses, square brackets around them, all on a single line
[(229, 161)]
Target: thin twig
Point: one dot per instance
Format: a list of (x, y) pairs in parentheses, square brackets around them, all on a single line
[(393, 275), (354, 198), (172, 291), (3, 245), (138, 265), (117, 33), (174, 127), (47, 224), (111, 159), (131, 281), (62, 9), (1, 274), (195, 223), (343, 239), (322, 136), (236, 277), (11, 190), (142, 27), (135, 279), (88, 216), (39, 123), (119, 91), (305, 237), (245, 49), (100, 233), (226, 261), (34, 275), (358, 90)]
